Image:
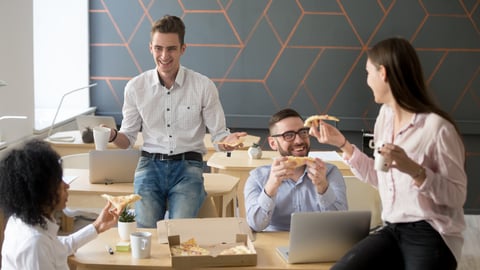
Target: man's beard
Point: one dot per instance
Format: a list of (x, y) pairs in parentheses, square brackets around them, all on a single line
[(288, 152)]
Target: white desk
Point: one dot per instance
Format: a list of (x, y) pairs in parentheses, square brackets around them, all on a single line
[(78, 146), (85, 196)]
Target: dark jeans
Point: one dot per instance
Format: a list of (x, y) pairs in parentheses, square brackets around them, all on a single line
[(410, 246)]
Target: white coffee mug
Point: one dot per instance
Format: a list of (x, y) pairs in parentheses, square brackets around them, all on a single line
[(371, 144), (101, 135), (140, 243), (381, 164)]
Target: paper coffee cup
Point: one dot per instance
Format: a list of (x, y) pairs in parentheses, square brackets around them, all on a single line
[(101, 135), (140, 244), (381, 164)]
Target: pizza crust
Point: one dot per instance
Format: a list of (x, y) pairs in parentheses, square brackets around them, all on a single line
[(120, 202), (309, 120), (299, 161)]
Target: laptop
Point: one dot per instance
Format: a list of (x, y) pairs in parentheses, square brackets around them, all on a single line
[(113, 166), (324, 236), (91, 121)]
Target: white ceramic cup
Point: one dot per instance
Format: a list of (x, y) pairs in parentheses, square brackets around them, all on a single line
[(371, 144), (140, 243), (381, 164), (101, 135)]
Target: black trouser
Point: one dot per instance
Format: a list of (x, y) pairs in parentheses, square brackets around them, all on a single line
[(410, 246)]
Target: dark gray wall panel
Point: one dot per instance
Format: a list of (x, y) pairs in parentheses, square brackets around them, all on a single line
[(310, 55)]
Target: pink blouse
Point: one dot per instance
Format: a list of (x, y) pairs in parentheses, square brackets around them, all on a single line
[(434, 143)]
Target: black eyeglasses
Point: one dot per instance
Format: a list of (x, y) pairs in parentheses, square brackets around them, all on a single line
[(290, 135)]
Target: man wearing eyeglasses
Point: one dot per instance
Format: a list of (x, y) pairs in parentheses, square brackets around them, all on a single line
[(274, 192)]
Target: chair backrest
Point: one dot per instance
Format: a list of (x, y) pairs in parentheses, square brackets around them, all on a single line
[(362, 196), (76, 161)]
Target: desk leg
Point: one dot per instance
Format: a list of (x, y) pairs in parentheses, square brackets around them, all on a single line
[(242, 176)]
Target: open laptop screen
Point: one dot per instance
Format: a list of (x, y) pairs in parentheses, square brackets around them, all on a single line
[(324, 236)]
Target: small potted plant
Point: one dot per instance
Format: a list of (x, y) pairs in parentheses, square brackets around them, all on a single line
[(126, 223)]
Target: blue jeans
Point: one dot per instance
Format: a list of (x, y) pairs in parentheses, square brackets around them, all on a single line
[(178, 182), (409, 246)]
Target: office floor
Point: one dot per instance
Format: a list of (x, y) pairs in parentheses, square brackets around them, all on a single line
[(471, 256)]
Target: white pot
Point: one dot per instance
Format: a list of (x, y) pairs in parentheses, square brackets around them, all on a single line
[(255, 152), (125, 229)]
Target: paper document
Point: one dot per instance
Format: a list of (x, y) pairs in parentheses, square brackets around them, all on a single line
[(69, 178), (326, 155)]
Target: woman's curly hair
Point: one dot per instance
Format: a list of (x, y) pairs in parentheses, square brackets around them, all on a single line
[(29, 181)]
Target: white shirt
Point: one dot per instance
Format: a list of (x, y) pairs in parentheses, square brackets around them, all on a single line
[(34, 248), (173, 120)]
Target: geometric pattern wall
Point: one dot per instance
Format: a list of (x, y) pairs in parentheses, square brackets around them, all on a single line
[(265, 55)]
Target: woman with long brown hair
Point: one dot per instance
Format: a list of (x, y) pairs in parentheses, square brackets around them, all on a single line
[(425, 186)]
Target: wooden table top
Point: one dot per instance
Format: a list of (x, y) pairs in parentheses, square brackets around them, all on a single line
[(215, 184), (94, 255), (77, 142)]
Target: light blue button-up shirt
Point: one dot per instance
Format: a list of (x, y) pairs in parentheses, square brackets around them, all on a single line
[(265, 213)]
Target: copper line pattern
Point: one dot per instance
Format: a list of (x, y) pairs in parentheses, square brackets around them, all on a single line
[(350, 71), (422, 23), (465, 90), (380, 4), (142, 18), (305, 85), (269, 92), (345, 14), (470, 14), (340, 86), (382, 20), (437, 67), (244, 44), (121, 36), (386, 11), (275, 32), (283, 45), (114, 94), (223, 80), (146, 10), (216, 45)]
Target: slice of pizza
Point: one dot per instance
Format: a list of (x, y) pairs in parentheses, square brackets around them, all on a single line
[(120, 202), (311, 119), (189, 248), (299, 161), (232, 144)]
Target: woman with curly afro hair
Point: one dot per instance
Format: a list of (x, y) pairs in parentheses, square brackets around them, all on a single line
[(32, 190)]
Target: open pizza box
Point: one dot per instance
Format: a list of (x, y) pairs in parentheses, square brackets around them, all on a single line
[(216, 235)]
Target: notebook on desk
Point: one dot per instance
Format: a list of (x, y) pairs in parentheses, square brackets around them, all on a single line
[(91, 121), (324, 236), (113, 166)]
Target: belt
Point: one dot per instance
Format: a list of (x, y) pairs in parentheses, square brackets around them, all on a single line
[(183, 156)]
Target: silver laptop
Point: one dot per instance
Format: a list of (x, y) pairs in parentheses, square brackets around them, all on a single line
[(84, 121), (113, 166), (324, 236)]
